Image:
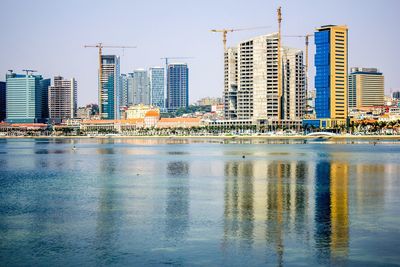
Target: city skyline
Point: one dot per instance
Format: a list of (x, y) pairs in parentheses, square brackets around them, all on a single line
[(191, 38)]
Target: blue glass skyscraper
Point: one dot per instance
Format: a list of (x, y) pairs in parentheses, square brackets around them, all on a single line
[(177, 86), (27, 98), (109, 87), (322, 84), (2, 101), (157, 87), (331, 73)]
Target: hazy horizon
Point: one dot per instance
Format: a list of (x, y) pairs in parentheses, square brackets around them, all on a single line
[(49, 36)]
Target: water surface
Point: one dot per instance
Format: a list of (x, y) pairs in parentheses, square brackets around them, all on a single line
[(185, 202)]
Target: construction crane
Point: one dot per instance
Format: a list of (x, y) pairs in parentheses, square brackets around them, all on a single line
[(306, 38), (225, 32), (100, 46), (167, 58), (279, 65), (29, 72)]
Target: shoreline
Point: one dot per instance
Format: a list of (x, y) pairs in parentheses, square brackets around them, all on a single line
[(261, 137)]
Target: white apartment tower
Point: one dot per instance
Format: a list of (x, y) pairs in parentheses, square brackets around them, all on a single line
[(251, 81), (230, 83), (63, 99), (294, 87)]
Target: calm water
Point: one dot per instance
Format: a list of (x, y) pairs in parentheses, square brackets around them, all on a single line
[(187, 203)]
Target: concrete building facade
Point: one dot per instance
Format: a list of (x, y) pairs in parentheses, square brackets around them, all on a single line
[(294, 87), (366, 88), (63, 99), (230, 83), (251, 81), (141, 90)]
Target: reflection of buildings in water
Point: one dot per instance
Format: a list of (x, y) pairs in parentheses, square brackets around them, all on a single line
[(331, 211), (239, 203), (370, 187), (103, 150), (287, 205), (263, 200), (177, 207), (107, 217)]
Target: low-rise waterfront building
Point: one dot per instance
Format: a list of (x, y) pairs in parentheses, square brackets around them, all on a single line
[(178, 122), (139, 111)]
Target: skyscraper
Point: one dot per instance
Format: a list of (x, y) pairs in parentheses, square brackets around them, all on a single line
[(294, 89), (230, 83), (63, 98), (123, 99), (109, 87), (331, 74), (27, 98), (177, 86), (130, 82), (251, 81), (141, 91), (157, 86), (366, 88), (2, 101)]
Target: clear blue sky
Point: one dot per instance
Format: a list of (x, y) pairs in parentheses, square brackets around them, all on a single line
[(49, 35)]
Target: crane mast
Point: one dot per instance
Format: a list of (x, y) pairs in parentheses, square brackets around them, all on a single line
[(100, 46)]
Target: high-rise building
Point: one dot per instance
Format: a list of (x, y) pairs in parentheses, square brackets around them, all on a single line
[(294, 87), (2, 101), (366, 88), (63, 97), (26, 98), (123, 99), (109, 87), (396, 94), (251, 81), (177, 86), (230, 83), (141, 92), (157, 86), (331, 74), (130, 82)]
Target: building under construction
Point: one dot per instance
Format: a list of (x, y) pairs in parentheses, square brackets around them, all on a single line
[(251, 89)]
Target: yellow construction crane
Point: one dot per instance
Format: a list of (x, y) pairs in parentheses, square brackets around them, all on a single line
[(100, 46), (225, 32), (307, 38)]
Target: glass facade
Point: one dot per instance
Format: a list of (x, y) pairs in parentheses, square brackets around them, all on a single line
[(141, 92), (322, 77), (177, 86), (130, 82), (157, 87), (109, 87), (2, 101), (26, 98), (123, 100)]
